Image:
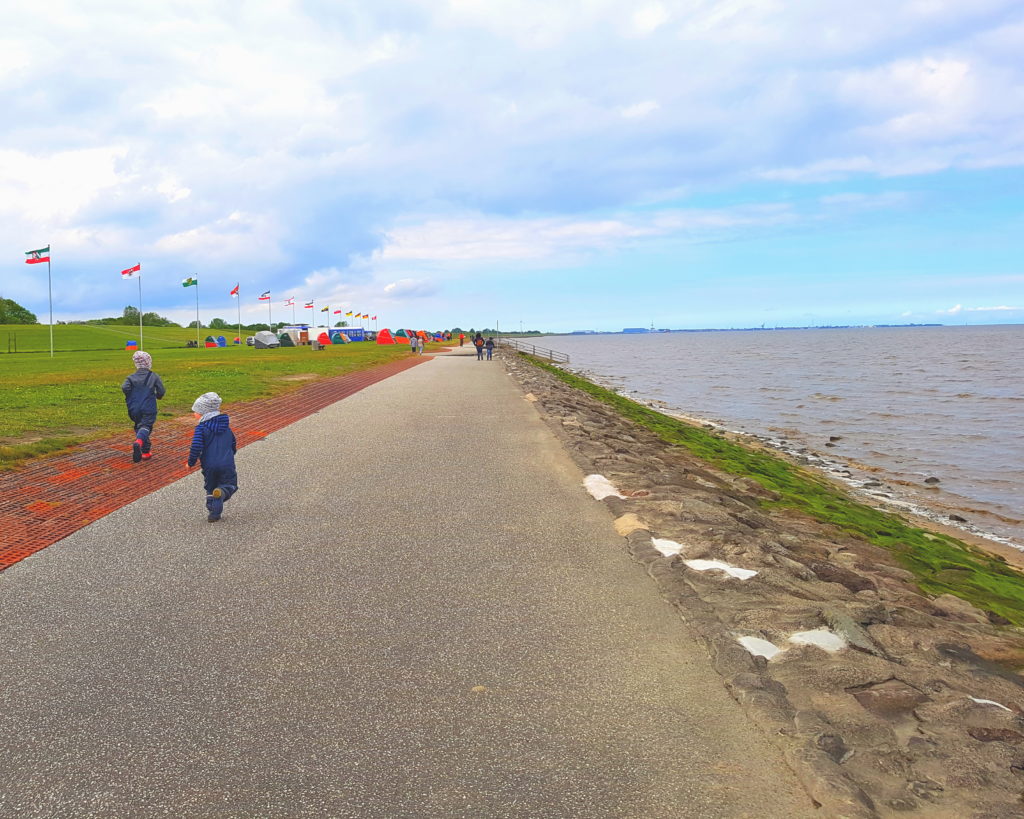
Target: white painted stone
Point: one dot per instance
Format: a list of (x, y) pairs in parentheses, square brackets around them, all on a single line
[(600, 487), (709, 565), (759, 647), (820, 637)]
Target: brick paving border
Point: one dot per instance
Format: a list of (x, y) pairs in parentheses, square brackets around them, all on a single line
[(48, 499)]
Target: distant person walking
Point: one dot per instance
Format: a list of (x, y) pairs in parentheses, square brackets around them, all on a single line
[(214, 446), (462, 339), (490, 347), (142, 389), (413, 342), (478, 342)]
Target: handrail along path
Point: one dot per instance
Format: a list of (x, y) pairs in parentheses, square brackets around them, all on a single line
[(540, 352)]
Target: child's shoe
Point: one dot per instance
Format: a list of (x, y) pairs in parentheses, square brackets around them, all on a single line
[(147, 455), (137, 450), (215, 504), (212, 518)]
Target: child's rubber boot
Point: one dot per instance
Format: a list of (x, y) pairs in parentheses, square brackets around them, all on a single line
[(215, 504), (137, 450)]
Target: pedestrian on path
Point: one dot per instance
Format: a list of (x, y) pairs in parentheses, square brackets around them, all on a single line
[(490, 347), (413, 341), (142, 389), (478, 342), (214, 446), (462, 339)]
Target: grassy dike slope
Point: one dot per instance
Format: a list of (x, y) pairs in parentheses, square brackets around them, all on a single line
[(48, 404), (941, 564)]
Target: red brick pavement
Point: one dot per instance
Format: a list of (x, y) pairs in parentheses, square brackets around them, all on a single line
[(49, 499)]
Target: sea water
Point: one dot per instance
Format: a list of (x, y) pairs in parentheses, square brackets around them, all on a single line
[(897, 405)]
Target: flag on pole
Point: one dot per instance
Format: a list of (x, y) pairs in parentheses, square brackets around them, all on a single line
[(309, 305), (265, 296), (38, 256), (349, 313), (325, 309), (290, 302), (374, 318), (189, 282), (234, 293), (132, 272), (366, 315), (337, 312)]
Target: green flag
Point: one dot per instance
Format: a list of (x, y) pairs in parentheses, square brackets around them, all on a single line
[(189, 282)]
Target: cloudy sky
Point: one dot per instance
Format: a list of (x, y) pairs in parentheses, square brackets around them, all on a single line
[(579, 164)]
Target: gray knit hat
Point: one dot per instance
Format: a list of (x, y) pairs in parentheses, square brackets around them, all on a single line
[(207, 402), (143, 360)]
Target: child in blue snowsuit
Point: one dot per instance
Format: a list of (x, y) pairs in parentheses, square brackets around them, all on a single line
[(141, 391), (214, 446)]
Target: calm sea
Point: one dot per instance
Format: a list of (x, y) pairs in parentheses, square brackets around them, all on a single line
[(906, 403)]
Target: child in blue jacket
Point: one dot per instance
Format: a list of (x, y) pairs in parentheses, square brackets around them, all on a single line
[(214, 446), (141, 391)]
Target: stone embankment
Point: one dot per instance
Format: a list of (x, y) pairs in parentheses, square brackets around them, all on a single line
[(885, 701)]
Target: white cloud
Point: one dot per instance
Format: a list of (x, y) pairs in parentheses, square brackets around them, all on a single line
[(959, 308), (640, 109), (410, 288), (650, 17)]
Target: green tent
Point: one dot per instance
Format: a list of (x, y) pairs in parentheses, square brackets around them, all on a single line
[(286, 340)]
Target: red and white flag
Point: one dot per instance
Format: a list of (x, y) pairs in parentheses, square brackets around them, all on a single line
[(374, 318), (234, 293), (38, 256), (337, 312), (309, 305), (290, 302), (265, 296), (132, 272)]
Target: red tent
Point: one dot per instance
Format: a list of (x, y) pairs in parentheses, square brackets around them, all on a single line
[(384, 337), (324, 338)]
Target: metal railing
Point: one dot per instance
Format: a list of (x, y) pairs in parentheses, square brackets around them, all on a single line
[(522, 346)]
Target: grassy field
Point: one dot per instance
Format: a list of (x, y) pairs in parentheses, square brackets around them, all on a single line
[(941, 564), (32, 338), (48, 404)]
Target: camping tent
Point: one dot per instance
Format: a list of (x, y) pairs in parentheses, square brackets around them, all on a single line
[(265, 339), (402, 336), (221, 341), (384, 337), (286, 340), (323, 338), (211, 341), (339, 337)]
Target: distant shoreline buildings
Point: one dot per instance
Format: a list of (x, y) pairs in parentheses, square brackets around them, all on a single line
[(649, 330)]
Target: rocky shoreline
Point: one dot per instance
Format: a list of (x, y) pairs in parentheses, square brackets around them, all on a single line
[(885, 701), (861, 480)]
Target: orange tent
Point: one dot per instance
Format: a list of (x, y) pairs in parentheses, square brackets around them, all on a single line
[(384, 337)]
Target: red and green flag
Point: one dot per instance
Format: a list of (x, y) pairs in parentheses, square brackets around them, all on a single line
[(38, 256)]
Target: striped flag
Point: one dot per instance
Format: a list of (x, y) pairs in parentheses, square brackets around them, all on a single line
[(290, 302), (132, 272), (234, 293), (374, 318), (265, 296), (325, 309), (309, 305), (349, 313), (38, 256), (337, 312)]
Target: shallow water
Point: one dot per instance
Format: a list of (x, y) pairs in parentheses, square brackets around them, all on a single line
[(906, 403)]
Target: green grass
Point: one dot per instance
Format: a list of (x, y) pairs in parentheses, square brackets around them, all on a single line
[(35, 338), (941, 564), (48, 404)]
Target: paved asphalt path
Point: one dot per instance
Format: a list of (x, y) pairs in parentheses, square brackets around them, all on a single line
[(411, 608)]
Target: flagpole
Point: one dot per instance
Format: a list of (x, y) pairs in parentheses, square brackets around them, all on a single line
[(270, 314), (293, 311), (49, 286), (141, 345), (238, 296), (197, 312)]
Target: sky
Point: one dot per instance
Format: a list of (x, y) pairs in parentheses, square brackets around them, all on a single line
[(580, 164)]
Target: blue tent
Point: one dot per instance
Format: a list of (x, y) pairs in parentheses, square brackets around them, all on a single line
[(221, 341)]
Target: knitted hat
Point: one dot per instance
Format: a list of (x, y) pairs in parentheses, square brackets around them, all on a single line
[(207, 402), (142, 360)]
